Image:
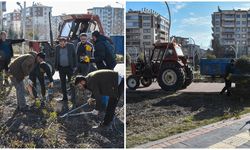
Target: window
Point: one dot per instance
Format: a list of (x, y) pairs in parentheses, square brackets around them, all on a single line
[(146, 24), (217, 22), (134, 17), (146, 30), (244, 22), (217, 29), (146, 37), (244, 29), (237, 16), (238, 22), (146, 17), (244, 42), (244, 35), (132, 24), (238, 29), (244, 15), (248, 15)]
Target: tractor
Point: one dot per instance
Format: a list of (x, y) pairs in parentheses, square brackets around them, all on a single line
[(167, 65), (70, 28)]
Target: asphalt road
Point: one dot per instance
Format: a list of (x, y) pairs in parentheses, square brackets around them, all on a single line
[(194, 87)]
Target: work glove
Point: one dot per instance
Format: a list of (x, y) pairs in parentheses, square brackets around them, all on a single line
[(51, 85), (91, 101)]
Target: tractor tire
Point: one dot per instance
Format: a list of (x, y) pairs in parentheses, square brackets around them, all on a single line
[(133, 82), (146, 82), (189, 76), (171, 77)]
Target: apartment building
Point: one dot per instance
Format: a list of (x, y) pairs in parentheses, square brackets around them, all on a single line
[(37, 22), (112, 19), (232, 28), (143, 29), (12, 24)]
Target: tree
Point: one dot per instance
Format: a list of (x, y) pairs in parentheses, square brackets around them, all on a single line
[(218, 50)]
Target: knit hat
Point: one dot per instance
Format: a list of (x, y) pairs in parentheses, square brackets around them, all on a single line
[(79, 78), (96, 33)]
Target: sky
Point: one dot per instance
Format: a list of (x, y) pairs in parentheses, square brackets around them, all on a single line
[(66, 6), (190, 19)]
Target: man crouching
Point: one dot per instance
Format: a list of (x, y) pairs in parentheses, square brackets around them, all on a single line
[(103, 83)]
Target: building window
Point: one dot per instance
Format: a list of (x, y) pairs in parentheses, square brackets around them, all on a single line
[(238, 29), (238, 22), (217, 29), (146, 17), (244, 35), (243, 42), (146, 24), (248, 15), (132, 24), (244, 29), (146, 30), (237, 16), (244, 22), (134, 17), (217, 22), (244, 15), (146, 37), (238, 35)]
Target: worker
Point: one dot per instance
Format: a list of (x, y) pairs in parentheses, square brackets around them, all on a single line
[(38, 73), (103, 83), (84, 50), (65, 62), (227, 77), (19, 69), (104, 55), (6, 48)]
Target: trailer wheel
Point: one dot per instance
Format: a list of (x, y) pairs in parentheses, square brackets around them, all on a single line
[(171, 77), (133, 82), (146, 82), (189, 76)]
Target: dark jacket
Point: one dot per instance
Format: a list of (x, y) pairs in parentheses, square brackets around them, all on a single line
[(229, 69), (40, 69), (103, 82), (22, 66), (71, 55), (104, 54), (10, 42)]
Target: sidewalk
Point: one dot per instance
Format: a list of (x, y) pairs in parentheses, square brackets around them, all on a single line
[(223, 134)]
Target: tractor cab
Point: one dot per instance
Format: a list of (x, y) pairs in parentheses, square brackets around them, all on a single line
[(75, 24)]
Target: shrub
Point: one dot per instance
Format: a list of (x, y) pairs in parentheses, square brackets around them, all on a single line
[(243, 64)]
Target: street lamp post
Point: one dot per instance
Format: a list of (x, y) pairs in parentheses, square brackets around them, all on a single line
[(23, 16), (193, 52), (119, 3), (235, 50)]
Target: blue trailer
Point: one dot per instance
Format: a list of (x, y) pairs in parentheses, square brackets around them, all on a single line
[(213, 67), (118, 44)]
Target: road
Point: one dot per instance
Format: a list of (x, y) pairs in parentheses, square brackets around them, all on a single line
[(194, 87)]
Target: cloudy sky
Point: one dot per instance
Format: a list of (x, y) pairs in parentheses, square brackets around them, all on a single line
[(66, 6), (190, 19)]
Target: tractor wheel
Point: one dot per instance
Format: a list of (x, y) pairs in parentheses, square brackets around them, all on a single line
[(171, 77), (146, 82), (189, 76), (133, 82)]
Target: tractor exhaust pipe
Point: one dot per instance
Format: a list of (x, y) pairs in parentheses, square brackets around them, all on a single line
[(50, 30)]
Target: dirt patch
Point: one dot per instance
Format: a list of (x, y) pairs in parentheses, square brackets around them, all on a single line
[(152, 115), (42, 127)]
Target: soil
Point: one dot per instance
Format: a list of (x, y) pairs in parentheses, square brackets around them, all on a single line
[(43, 128), (155, 114)]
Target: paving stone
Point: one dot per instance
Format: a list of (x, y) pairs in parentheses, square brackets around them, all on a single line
[(222, 145)]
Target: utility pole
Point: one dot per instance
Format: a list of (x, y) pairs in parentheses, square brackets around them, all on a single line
[(193, 53), (2, 9), (23, 18)]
